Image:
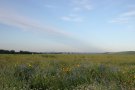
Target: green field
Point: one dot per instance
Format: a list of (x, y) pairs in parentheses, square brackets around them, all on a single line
[(67, 72)]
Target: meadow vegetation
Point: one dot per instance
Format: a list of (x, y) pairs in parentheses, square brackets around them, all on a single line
[(67, 72)]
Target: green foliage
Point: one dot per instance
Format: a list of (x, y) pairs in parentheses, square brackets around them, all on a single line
[(67, 72)]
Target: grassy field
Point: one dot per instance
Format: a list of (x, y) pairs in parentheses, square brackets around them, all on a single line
[(67, 72)]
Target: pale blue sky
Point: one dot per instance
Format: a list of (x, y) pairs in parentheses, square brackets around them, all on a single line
[(67, 25)]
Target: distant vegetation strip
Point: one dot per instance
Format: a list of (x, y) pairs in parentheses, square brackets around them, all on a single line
[(2, 51)]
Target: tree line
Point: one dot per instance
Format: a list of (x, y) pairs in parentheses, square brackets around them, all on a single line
[(2, 51), (14, 52)]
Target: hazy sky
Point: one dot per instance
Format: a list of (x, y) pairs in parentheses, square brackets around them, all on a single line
[(67, 25)]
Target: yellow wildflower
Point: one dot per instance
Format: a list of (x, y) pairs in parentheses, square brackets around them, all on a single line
[(134, 76), (78, 65), (29, 65), (66, 69)]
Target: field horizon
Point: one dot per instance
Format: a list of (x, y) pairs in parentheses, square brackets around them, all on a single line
[(67, 45), (67, 71), (3, 51)]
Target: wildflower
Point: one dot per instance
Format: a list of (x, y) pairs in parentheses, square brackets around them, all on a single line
[(78, 65), (29, 65), (66, 69), (134, 76), (123, 72)]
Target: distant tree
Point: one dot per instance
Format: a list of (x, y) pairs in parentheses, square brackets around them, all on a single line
[(4, 51), (12, 52), (25, 52)]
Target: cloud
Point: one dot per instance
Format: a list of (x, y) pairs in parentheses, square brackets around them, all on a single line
[(124, 17), (72, 18), (80, 5), (13, 18), (129, 14), (120, 20)]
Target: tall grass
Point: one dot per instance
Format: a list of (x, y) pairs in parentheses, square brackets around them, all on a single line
[(67, 72)]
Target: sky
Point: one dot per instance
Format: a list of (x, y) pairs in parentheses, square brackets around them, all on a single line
[(67, 25)]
